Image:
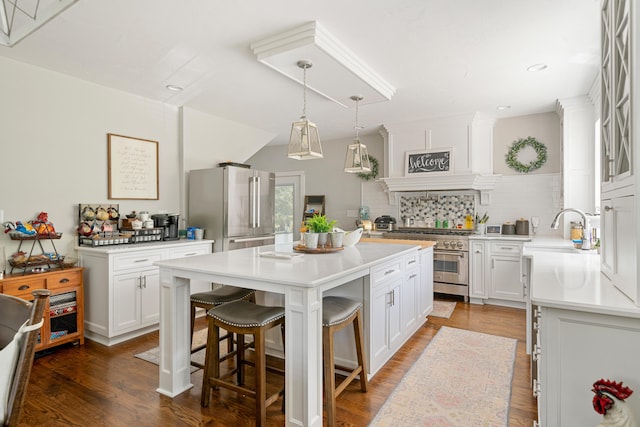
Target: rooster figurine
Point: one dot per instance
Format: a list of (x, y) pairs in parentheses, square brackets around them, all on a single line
[(609, 401)]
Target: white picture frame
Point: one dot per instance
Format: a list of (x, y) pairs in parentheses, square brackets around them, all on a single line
[(132, 168)]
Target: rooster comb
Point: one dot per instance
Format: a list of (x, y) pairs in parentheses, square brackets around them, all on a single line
[(616, 389)]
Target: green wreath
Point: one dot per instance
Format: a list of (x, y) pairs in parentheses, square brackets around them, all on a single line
[(512, 155), (374, 169)]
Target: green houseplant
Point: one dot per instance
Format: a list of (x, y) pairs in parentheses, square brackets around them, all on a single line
[(318, 226)]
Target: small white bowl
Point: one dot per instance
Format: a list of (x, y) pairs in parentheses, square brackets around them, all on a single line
[(352, 237)]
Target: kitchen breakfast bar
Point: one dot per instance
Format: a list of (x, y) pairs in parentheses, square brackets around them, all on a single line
[(301, 279)]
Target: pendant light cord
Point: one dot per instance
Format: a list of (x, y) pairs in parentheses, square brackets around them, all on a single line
[(357, 127), (304, 92)]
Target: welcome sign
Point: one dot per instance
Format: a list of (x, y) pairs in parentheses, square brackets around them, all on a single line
[(438, 161)]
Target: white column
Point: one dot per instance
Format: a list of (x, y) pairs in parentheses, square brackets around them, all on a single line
[(303, 358), (175, 334)]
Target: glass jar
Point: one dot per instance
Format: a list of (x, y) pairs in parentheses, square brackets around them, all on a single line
[(576, 230)]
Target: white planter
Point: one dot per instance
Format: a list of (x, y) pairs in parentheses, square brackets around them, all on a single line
[(311, 240), (322, 239), (337, 238)]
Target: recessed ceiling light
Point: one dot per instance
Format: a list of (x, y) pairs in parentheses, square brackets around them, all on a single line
[(537, 67), (174, 88), (503, 107)]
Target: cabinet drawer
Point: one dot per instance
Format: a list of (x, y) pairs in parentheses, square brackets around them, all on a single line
[(506, 248), (24, 287), (64, 279), (386, 271), (411, 261), (189, 251), (137, 260)]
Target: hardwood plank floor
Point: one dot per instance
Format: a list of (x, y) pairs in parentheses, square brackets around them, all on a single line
[(94, 385)]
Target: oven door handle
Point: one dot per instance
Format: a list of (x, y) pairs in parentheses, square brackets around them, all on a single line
[(459, 254)]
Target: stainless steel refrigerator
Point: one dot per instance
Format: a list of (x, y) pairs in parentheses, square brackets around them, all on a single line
[(235, 206)]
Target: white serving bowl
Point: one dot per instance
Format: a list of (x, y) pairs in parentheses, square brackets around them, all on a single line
[(352, 237)]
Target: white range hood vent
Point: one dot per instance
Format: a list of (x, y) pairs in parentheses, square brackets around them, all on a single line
[(482, 183)]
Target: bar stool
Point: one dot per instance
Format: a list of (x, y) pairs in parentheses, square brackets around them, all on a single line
[(208, 300), (338, 313), (242, 318)]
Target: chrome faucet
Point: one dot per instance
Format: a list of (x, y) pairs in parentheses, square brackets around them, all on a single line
[(586, 234), (556, 220)]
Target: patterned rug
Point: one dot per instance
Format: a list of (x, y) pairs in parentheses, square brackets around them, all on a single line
[(199, 337), (463, 378), (443, 308)]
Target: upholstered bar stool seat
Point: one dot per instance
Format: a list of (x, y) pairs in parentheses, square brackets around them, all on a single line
[(208, 300), (242, 318), (338, 313)]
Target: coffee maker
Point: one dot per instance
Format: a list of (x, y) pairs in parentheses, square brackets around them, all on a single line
[(169, 224)]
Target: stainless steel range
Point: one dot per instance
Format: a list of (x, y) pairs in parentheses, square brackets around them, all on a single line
[(450, 256)]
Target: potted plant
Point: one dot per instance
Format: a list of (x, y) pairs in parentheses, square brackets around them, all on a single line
[(320, 226)]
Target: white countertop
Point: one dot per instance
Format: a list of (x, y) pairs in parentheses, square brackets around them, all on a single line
[(307, 270), (501, 237), (131, 247), (572, 280)]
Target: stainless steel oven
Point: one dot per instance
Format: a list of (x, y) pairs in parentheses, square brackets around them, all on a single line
[(450, 257)]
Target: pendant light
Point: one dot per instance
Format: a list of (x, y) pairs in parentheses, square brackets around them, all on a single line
[(304, 142), (357, 158)]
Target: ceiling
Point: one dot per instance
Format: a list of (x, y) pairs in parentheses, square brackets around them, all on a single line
[(442, 57)]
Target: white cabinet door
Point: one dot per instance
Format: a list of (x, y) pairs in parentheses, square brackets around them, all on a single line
[(136, 299), (126, 301), (578, 348), (410, 299), (395, 318), (150, 297), (379, 331), (477, 270), (607, 238), (619, 248), (506, 281)]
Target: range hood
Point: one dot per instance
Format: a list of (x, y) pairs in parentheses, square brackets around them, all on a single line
[(482, 183)]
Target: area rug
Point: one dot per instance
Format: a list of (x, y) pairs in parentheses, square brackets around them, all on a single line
[(443, 308), (463, 378), (199, 337)]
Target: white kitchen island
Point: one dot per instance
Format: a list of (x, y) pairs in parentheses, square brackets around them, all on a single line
[(302, 280)]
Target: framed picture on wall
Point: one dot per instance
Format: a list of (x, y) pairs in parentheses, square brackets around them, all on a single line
[(132, 168), (437, 161)]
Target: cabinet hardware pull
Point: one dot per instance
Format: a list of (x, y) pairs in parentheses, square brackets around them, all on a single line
[(142, 260), (413, 261), (608, 208), (24, 287), (389, 272), (506, 248), (191, 254), (144, 278), (64, 280), (412, 276)]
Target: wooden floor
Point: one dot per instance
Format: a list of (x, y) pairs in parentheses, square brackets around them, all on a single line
[(94, 385)]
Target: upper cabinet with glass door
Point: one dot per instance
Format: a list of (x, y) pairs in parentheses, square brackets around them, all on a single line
[(616, 96)]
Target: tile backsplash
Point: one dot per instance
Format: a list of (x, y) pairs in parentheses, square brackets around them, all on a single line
[(451, 207)]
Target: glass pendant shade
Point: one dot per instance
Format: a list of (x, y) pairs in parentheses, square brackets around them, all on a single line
[(304, 142), (357, 158)]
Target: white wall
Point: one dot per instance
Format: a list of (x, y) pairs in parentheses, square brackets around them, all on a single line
[(54, 147), (343, 191)]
